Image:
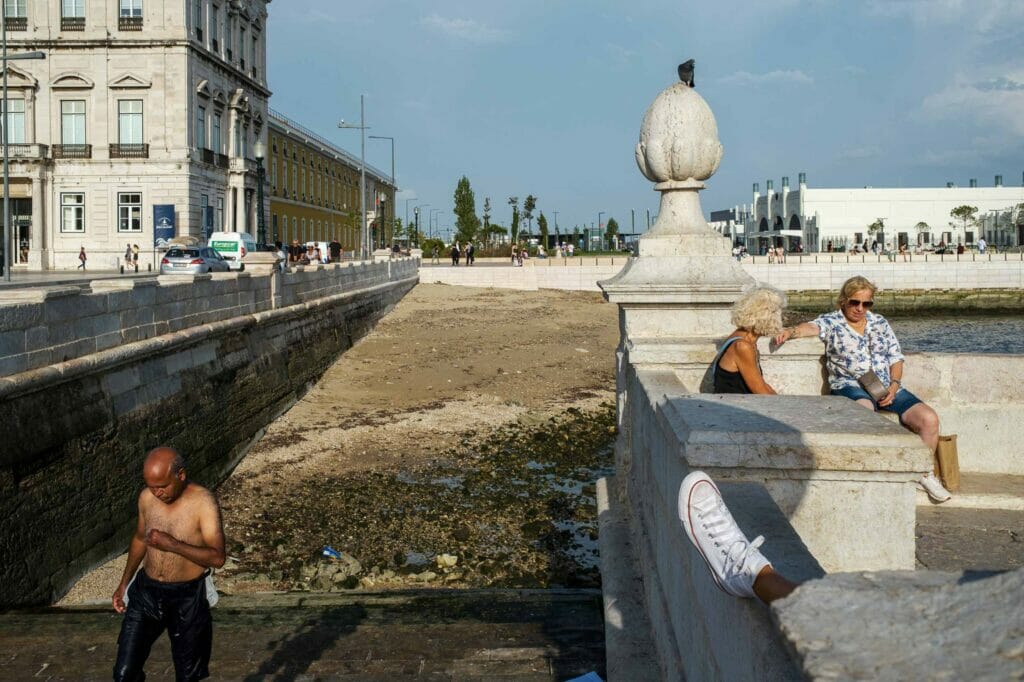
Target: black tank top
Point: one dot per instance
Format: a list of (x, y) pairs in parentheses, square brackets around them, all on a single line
[(726, 381)]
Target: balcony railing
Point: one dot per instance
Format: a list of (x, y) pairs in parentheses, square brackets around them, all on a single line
[(17, 23), (72, 151), (129, 151), (21, 151), (239, 164), (72, 23), (129, 23), (222, 160)]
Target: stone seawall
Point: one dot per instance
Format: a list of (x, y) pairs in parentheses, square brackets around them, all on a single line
[(75, 432)]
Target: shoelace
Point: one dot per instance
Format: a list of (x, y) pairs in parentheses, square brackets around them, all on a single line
[(729, 538)]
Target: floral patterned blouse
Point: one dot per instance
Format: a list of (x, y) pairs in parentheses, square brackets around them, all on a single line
[(849, 355)]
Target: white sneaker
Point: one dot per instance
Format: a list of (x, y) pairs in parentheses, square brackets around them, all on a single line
[(933, 486), (734, 562)]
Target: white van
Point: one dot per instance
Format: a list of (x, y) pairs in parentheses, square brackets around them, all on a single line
[(232, 246)]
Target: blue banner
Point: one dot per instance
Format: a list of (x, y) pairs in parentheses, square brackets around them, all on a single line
[(163, 225)]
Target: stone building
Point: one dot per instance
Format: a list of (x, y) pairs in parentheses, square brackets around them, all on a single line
[(142, 108), (314, 189), (920, 216)]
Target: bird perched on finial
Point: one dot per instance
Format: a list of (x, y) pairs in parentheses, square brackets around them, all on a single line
[(686, 72)]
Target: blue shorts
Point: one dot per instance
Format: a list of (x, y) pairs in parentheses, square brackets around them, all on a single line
[(903, 401)]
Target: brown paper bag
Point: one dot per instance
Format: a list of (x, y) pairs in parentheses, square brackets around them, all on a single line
[(947, 465)]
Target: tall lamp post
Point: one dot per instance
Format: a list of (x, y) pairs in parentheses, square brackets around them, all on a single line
[(417, 210), (434, 211), (259, 150), (7, 260), (362, 128), (599, 237), (392, 140), (407, 219)]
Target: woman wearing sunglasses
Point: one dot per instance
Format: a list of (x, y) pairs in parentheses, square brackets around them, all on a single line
[(857, 341)]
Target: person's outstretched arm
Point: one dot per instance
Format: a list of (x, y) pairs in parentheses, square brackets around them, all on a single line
[(799, 331)]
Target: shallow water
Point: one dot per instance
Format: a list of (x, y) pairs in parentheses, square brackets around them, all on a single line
[(966, 334)]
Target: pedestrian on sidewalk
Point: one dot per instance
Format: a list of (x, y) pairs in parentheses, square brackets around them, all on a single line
[(128, 256), (178, 538), (470, 250), (81, 258), (135, 256)]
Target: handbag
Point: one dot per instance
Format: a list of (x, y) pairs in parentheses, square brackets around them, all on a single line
[(870, 382), (211, 591)]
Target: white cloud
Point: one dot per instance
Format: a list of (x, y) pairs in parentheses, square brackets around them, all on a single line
[(771, 77), (980, 16), (468, 30), (994, 103), (858, 153)]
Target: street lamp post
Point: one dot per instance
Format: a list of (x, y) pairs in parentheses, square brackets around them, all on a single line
[(599, 214), (7, 260), (259, 150), (392, 140), (416, 210), (362, 128), (432, 212)]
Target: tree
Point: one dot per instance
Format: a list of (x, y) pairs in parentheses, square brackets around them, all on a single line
[(466, 222), (528, 207), (611, 229), (877, 226), (542, 227), (575, 235), (487, 213), (965, 214)]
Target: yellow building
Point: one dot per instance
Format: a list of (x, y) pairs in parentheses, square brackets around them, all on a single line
[(314, 189)]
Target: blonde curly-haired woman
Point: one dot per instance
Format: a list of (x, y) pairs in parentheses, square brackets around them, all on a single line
[(737, 368)]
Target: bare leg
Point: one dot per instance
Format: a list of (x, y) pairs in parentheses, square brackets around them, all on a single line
[(923, 421), (769, 585), (864, 402)]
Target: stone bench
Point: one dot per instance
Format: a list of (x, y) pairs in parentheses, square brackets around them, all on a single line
[(844, 477)]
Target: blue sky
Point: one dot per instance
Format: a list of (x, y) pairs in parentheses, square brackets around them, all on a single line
[(545, 97)]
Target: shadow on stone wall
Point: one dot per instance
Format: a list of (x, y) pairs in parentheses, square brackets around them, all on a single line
[(70, 470)]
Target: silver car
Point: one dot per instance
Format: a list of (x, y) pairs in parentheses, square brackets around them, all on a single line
[(192, 261)]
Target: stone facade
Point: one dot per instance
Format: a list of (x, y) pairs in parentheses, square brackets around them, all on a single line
[(157, 104), (207, 385), (314, 189)]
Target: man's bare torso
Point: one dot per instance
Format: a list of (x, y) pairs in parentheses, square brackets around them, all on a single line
[(180, 519)]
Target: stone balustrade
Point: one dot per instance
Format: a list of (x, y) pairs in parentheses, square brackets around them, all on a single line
[(46, 325), (583, 273)]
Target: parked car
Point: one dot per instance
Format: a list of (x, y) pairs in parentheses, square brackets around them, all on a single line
[(232, 246), (192, 261)]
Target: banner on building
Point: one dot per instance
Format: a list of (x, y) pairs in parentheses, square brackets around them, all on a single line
[(163, 225)]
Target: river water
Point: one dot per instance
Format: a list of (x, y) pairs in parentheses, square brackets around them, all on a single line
[(963, 334)]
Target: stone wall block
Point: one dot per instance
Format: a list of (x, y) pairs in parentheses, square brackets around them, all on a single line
[(121, 381), (20, 315), (985, 379), (13, 364), (72, 307), (12, 342)]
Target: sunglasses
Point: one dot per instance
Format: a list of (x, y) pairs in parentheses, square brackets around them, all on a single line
[(854, 303)]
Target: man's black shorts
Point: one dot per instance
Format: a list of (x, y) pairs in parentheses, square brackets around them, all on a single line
[(179, 608)]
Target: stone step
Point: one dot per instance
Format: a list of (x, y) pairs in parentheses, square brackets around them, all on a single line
[(983, 491), (441, 634)]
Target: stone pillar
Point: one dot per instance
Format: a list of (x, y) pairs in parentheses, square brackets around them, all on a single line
[(38, 255), (674, 296), (242, 224), (30, 115)]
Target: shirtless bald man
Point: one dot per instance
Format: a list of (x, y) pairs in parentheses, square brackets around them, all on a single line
[(179, 536)]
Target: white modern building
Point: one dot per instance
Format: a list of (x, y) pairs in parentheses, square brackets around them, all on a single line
[(143, 111), (818, 218)]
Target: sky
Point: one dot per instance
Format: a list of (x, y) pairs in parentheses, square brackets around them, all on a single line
[(546, 97)]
